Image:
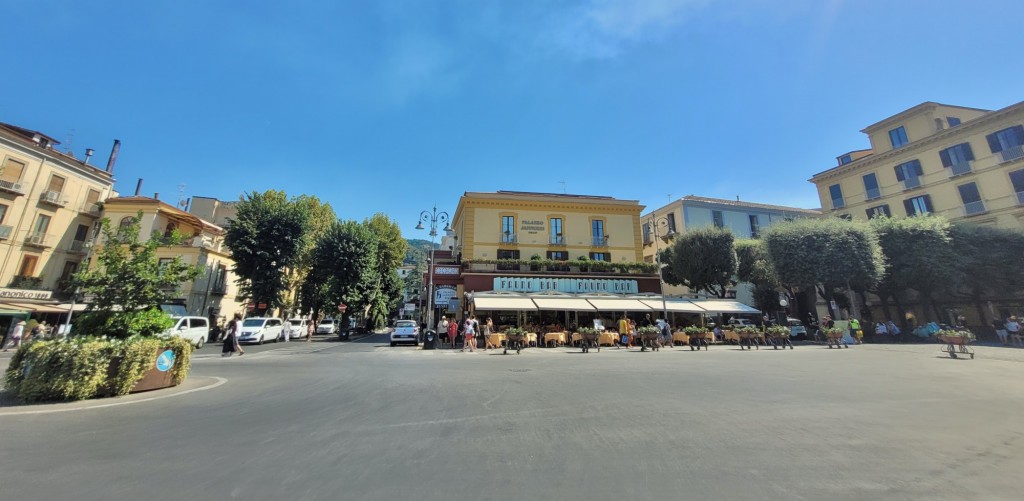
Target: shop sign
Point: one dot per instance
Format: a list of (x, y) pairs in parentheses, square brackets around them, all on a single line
[(24, 294), (446, 270), (410, 306), (570, 285), (532, 227), (443, 294)]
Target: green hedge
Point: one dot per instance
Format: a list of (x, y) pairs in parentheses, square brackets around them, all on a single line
[(88, 367)]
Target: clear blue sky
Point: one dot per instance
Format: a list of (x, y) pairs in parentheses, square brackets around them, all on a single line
[(392, 106)]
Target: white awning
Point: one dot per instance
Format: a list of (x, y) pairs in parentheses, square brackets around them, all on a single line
[(674, 305), (515, 303), (724, 306), (618, 304), (563, 304)]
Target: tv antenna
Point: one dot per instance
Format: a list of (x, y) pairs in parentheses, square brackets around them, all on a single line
[(563, 186), (181, 196), (69, 141)]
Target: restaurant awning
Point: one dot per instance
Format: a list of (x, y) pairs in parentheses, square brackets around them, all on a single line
[(10, 310), (674, 305), (724, 306), (501, 303), (39, 308), (618, 304), (563, 304)]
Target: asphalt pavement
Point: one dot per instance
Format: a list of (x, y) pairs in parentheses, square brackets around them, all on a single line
[(361, 420)]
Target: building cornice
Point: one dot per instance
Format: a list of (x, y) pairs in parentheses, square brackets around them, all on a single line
[(59, 159)]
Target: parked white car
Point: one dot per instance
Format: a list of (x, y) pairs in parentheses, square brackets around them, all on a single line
[(328, 326), (195, 329), (405, 331), (299, 326), (260, 330)]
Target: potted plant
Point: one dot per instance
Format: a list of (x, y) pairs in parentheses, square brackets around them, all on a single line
[(515, 338), (648, 337), (535, 262), (779, 334), (588, 338), (834, 335), (748, 336)]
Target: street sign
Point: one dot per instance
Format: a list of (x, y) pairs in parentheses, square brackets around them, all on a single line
[(251, 306), (165, 361), (263, 306), (342, 307), (833, 305), (410, 306)]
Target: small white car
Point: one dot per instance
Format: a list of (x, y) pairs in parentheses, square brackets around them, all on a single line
[(741, 322), (328, 326), (195, 329), (299, 326), (260, 330), (405, 331)]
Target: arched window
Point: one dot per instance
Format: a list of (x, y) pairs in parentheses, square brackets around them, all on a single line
[(169, 230), (126, 222)]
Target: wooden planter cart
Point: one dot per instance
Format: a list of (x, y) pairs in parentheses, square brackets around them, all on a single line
[(957, 341), (588, 339), (748, 337), (696, 337), (649, 337), (515, 339), (778, 335), (834, 336)]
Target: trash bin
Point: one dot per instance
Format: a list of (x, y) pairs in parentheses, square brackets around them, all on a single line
[(429, 340)]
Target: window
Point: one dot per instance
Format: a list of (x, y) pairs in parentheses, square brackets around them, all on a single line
[(671, 218), (163, 263), (953, 121), (717, 219), (918, 206), (871, 190), (508, 254), (12, 170), (197, 323), (125, 222), (600, 256), (836, 192), (556, 231), (169, 230), (82, 233), (28, 265), (1017, 179), (845, 217), (91, 198), (70, 268), (597, 232), (3, 213), (909, 173), (647, 233), (1007, 142), (898, 137), (879, 211), (938, 124), (42, 224), (845, 159), (971, 198), (558, 255), (56, 184), (508, 229), (957, 158), (755, 227)]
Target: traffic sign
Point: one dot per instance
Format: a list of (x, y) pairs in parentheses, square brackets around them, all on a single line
[(263, 306), (165, 361), (342, 307), (251, 306)]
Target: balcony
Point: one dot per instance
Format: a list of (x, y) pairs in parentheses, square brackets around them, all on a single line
[(54, 198), (509, 238), (219, 288), (5, 231), (26, 282), (549, 267), (78, 246), (910, 183), (12, 187), (91, 209), (974, 208), (557, 240), (599, 241), (37, 239), (960, 169), (1011, 154)]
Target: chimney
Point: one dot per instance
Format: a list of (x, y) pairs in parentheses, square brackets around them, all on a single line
[(113, 156), (156, 196), (138, 187), (188, 203), (88, 154)]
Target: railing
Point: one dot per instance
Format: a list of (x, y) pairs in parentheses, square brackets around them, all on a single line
[(26, 282), (600, 241), (960, 169), (53, 198), (92, 209), (873, 193), (12, 187), (5, 231), (548, 267), (1020, 197), (557, 240), (509, 238), (838, 203), (77, 246), (910, 183), (1011, 154), (974, 208), (648, 240), (219, 287), (39, 239)]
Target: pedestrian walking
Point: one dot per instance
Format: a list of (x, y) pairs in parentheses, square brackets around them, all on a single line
[(486, 332), (15, 335), (231, 345), (310, 328), (286, 330), (855, 331), (1013, 331), (453, 332), (623, 331), (469, 335), (1000, 326)]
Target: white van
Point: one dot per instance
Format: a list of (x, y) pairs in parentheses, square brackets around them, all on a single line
[(195, 329), (260, 330)]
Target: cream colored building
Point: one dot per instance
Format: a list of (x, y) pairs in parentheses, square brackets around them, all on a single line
[(214, 293), (49, 204), (964, 163), (211, 209)]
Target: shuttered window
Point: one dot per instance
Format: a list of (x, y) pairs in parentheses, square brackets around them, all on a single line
[(56, 184), (12, 170), (1006, 139)]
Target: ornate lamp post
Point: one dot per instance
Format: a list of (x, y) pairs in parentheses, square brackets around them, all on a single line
[(432, 217), (654, 222)]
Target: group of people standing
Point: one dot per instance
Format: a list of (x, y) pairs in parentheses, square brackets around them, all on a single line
[(1009, 331), (470, 329)]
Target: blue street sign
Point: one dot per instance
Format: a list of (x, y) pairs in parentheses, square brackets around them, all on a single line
[(165, 361)]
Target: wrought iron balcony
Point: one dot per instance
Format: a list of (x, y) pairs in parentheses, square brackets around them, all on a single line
[(1011, 154), (974, 208), (558, 240), (910, 183), (599, 241), (960, 169), (77, 246), (5, 231), (91, 209), (509, 238)]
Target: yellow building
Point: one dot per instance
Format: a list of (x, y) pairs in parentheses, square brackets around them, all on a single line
[(214, 292), (49, 201), (963, 163)]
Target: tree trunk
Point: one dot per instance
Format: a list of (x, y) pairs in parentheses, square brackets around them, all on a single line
[(828, 301), (983, 322), (884, 298), (935, 307), (864, 307)]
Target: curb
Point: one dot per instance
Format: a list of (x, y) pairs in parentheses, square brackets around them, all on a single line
[(27, 409)]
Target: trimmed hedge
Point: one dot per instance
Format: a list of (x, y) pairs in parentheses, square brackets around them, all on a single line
[(88, 367)]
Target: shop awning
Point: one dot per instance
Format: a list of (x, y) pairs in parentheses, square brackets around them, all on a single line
[(11, 310), (79, 307), (39, 308), (563, 304), (618, 304), (674, 305), (504, 303), (724, 306)]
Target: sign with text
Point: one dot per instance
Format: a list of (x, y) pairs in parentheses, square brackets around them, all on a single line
[(443, 294), (446, 270), (24, 294), (410, 306), (571, 285), (532, 227)]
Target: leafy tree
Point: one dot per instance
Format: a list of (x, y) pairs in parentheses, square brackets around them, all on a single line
[(920, 256), (754, 267), (827, 254), (390, 253), (129, 278), (345, 255), (703, 259), (303, 276), (988, 263), (266, 238)]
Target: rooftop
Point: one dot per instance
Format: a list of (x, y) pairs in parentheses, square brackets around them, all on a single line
[(743, 204), (39, 140), (172, 211)]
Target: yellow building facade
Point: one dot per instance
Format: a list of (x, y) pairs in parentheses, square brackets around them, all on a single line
[(49, 204), (963, 163), (214, 293)]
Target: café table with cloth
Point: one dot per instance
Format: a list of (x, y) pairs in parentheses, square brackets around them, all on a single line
[(608, 338), (557, 337), (495, 339)]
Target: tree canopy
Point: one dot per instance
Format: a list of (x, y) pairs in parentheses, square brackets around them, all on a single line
[(703, 260)]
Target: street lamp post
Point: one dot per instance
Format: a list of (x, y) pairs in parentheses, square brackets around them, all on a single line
[(432, 217), (654, 222)]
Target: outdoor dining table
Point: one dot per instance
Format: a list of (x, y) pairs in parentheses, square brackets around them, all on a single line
[(608, 338), (495, 339), (557, 337), (680, 337)]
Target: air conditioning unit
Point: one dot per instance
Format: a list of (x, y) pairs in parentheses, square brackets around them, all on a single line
[(37, 239)]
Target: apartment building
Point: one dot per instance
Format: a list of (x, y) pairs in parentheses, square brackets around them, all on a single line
[(50, 202), (214, 293), (964, 163), (213, 210)]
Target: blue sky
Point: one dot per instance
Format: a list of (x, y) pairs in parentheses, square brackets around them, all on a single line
[(393, 106)]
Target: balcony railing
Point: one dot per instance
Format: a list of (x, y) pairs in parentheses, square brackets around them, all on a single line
[(53, 198), (1020, 197), (599, 241), (553, 267), (960, 169), (974, 208), (873, 194), (5, 231), (557, 240), (910, 183), (509, 238), (77, 246), (219, 288), (12, 187), (92, 209), (39, 239), (1011, 154)]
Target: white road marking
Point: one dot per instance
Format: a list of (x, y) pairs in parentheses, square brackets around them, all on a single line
[(219, 381)]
